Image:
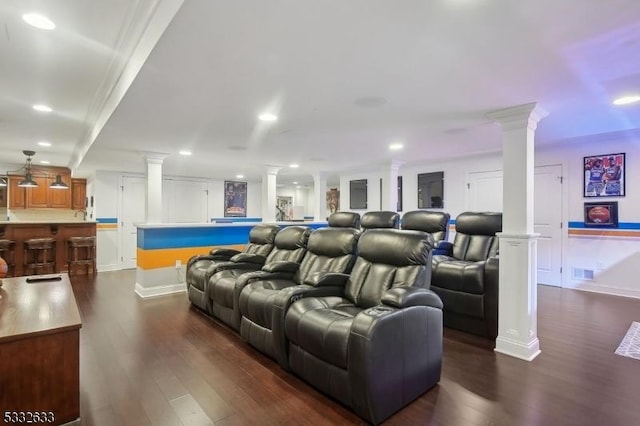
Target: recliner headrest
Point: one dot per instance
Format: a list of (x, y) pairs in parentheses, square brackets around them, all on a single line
[(333, 242), (263, 234), (344, 220), (424, 220), (292, 237), (479, 223), (395, 247), (376, 220)]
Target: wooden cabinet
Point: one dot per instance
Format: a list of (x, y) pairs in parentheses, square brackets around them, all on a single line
[(60, 198), (17, 195), (42, 196), (38, 197), (78, 194)]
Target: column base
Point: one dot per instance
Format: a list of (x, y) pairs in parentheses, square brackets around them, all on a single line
[(519, 350)]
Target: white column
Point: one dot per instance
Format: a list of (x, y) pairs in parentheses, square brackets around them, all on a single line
[(518, 293), (319, 196), (389, 195), (154, 187), (269, 179)]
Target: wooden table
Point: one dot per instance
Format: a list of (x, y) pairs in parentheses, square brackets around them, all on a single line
[(39, 350)]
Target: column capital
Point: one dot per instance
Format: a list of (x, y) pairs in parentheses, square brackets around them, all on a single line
[(154, 157), (272, 170), (520, 116)]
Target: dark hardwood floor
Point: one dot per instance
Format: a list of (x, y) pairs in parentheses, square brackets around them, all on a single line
[(160, 362)]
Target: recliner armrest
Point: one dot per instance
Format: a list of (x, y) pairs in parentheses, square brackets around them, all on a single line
[(257, 259), (224, 253), (281, 266), (323, 279), (443, 247), (243, 266), (403, 297)]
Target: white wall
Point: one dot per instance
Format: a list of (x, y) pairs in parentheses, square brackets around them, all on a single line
[(613, 259)]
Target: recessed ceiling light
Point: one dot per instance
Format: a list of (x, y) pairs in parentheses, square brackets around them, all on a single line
[(396, 146), (239, 176), (185, 152), (294, 166), (298, 186), (42, 108), (38, 21), (267, 117), (44, 143), (295, 183), (370, 101), (624, 100), (45, 162)]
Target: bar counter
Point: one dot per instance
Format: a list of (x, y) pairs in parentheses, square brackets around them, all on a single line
[(61, 231)]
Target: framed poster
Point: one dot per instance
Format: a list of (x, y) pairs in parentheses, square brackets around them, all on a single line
[(235, 199), (601, 215), (604, 175), (333, 200)]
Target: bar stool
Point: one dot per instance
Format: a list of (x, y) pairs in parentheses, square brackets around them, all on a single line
[(82, 251), (39, 255), (7, 253)]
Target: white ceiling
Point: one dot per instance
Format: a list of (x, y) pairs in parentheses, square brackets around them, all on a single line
[(438, 66)]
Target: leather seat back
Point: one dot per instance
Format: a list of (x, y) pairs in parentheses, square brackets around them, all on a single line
[(290, 244), (344, 220), (261, 239), (475, 238), (388, 258), (431, 222), (328, 250), (377, 220)]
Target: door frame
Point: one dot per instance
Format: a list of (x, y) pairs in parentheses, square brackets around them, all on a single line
[(120, 210)]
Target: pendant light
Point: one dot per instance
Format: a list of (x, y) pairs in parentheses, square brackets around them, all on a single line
[(28, 181), (59, 184)]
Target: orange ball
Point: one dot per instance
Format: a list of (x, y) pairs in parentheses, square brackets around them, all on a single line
[(599, 214), (4, 268)]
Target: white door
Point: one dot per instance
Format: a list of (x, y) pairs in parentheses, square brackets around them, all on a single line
[(485, 191), (548, 223), (133, 196), (485, 194), (184, 201)]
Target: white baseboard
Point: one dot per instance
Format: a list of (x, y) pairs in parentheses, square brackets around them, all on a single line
[(145, 292), (604, 289)]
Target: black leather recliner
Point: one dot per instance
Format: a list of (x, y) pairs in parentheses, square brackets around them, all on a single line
[(330, 255), (376, 345), (381, 219), (344, 220), (201, 267), (434, 223), (466, 279), (224, 286)]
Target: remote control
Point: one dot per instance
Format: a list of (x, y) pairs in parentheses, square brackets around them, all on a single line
[(40, 278)]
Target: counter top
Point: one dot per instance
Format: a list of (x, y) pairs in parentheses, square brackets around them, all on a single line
[(40, 222), (29, 309), (223, 225)]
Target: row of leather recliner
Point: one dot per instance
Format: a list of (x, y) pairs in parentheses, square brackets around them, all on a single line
[(346, 309), (302, 297)]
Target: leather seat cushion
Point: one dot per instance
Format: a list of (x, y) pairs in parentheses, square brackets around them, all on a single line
[(256, 300), (198, 271), (461, 303), (321, 327), (222, 284), (457, 275)]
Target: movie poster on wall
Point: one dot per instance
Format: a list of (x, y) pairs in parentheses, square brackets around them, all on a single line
[(604, 175), (235, 199)]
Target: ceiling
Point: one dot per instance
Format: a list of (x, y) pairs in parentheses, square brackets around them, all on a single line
[(346, 79)]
